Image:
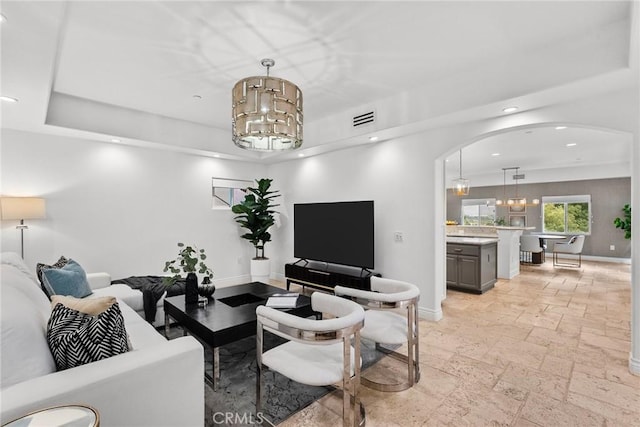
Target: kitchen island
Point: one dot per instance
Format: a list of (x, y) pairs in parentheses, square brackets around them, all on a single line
[(472, 263), (508, 239)]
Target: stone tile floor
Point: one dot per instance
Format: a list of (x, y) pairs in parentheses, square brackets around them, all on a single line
[(549, 347)]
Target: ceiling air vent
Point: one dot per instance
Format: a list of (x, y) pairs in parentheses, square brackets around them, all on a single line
[(363, 119)]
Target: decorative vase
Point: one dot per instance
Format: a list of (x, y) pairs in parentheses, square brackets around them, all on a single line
[(206, 288), (191, 289), (260, 270)]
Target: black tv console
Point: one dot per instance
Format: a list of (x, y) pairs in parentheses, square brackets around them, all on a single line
[(327, 276)]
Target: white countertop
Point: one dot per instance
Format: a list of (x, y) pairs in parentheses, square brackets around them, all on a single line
[(471, 240), (491, 227)]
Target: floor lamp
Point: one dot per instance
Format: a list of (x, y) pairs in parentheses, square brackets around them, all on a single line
[(21, 208)]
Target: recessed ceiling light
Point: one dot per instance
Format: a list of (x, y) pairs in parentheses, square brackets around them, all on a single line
[(560, 127), (495, 154), (217, 156), (510, 109), (8, 99), (373, 138), (571, 144), (115, 140), (300, 155)]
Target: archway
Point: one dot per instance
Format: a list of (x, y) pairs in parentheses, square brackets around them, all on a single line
[(631, 159)]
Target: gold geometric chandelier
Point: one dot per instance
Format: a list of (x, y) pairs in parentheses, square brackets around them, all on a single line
[(267, 113), (515, 200)]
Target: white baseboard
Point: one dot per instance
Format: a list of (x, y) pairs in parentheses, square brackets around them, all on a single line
[(429, 314), (280, 277), (615, 260), (634, 365), (232, 281), (606, 259)]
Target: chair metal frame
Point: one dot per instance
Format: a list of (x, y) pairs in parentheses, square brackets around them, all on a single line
[(351, 415), (557, 263), (412, 358)]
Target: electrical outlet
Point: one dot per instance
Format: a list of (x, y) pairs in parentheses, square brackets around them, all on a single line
[(397, 236), (612, 247)]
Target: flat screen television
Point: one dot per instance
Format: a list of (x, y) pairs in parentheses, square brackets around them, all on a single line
[(337, 233)]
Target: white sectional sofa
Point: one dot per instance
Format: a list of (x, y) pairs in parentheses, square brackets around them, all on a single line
[(156, 383)]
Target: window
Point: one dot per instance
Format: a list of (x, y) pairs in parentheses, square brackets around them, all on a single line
[(228, 192), (478, 211), (566, 214)]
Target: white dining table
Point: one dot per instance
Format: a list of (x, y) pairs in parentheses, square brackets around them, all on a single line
[(551, 236)]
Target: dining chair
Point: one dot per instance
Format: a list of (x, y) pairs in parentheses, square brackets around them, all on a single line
[(529, 245), (572, 247), (391, 318), (317, 352)]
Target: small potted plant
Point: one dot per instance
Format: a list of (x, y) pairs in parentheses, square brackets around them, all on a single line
[(190, 260), (256, 214)]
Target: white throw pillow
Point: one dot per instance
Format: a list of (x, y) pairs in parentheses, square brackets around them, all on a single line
[(24, 353)]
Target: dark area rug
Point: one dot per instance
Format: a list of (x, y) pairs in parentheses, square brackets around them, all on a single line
[(234, 404)]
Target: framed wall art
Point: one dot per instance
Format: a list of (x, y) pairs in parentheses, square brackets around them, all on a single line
[(517, 220)]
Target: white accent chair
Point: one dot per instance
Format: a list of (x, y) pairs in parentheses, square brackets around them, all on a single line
[(385, 325), (572, 247), (319, 352), (529, 245)]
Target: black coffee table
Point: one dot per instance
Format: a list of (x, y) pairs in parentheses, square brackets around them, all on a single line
[(229, 316)]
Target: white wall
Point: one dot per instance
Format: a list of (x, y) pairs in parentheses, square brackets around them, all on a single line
[(121, 209), (397, 175), (405, 178)]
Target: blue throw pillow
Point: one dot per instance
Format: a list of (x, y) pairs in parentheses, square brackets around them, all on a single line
[(68, 280)]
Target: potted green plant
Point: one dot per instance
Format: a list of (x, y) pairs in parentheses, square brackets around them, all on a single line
[(500, 221), (190, 260), (256, 214), (624, 224)]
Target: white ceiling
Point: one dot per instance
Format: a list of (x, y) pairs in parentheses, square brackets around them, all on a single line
[(130, 70), (540, 153)]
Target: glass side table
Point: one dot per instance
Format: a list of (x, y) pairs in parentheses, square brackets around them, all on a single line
[(59, 416)]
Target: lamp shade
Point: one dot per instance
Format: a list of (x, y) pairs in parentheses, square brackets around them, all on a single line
[(22, 208), (267, 113)]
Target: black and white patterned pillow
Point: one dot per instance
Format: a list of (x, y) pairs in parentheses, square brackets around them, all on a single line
[(77, 338), (40, 266)]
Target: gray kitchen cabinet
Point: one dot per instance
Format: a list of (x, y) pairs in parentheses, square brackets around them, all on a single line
[(472, 267)]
